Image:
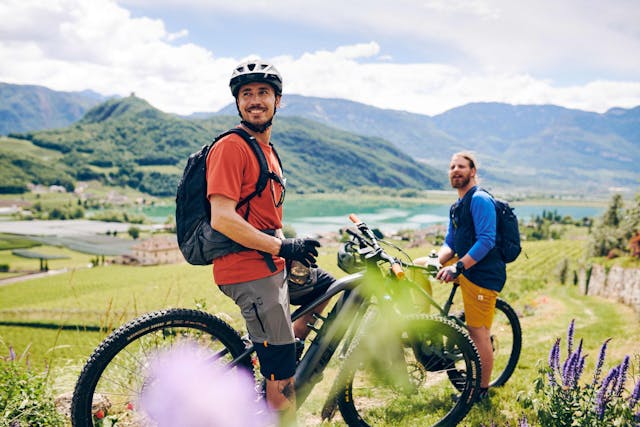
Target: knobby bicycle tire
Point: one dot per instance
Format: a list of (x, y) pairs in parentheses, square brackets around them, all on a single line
[(406, 382), (506, 339), (113, 376), (512, 322)]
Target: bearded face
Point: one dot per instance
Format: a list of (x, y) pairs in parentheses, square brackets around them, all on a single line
[(257, 103), (460, 172)]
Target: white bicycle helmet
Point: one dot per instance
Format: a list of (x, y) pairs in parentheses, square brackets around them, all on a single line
[(255, 70)]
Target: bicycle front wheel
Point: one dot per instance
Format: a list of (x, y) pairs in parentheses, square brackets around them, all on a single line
[(114, 375), (410, 384)]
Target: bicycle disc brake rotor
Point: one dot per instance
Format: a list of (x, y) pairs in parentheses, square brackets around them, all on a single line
[(434, 355)]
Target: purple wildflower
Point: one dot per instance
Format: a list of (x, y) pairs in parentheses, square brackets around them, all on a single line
[(570, 333), (622, 376), (554, 361), (567, 368), (600, 363), (523, 422), (12, 353), (571, 370), (580, 367), (635, 396), (580, 362), (184, 387), (603, 394)]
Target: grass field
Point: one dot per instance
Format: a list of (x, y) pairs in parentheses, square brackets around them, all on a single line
[(108, 296)]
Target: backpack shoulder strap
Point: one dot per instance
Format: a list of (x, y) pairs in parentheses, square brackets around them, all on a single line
[(273, 148), (262, 179), (262, 161), (465, 202), (463, 209), (486, 191)]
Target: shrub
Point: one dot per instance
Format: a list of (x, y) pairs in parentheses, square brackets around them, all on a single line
[(564, 400), (24, 398), (134, 232)]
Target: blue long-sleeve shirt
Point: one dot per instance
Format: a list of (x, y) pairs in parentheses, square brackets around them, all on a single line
[(483, 213), (475, 234)]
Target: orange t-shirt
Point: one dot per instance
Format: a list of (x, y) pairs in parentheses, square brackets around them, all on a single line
[(232, 172)]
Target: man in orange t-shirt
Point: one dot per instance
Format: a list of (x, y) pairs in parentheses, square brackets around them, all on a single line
[(255, 278)]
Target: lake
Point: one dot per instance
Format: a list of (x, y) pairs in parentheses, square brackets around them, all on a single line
[(312, 216)]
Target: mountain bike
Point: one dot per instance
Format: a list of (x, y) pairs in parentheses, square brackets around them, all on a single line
[(506, 332), (395, 366)]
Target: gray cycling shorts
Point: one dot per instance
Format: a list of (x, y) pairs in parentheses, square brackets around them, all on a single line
[(264, 304)]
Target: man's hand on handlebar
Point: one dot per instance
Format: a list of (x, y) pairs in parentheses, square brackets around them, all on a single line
[(303, 250), (448, 274)]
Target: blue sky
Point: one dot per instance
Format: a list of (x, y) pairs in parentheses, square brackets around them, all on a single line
[(423, 56)]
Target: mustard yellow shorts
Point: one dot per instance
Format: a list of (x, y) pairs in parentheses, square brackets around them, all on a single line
[(479, 303)]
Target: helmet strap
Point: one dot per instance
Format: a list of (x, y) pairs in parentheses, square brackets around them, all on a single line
[(257, 128)]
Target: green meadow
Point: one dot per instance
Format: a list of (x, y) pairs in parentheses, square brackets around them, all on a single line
[(59, 319)]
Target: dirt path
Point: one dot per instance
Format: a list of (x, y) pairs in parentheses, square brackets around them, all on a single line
[(29, 276)]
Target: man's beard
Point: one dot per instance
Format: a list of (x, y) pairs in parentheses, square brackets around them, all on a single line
[(256, 127), (460, 182), (259, 128)]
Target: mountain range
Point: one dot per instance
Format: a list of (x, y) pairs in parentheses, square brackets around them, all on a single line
[(128, 142), (521, 148), (26, 108)]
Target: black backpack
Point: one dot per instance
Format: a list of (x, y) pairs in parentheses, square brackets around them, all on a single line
[(507, 231), (199, 243)]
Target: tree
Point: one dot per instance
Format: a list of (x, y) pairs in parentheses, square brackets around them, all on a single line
[(613, 215), (134, 232), (615, 227), (631, 220)]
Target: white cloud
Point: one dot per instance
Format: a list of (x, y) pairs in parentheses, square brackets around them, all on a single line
[(509, 47), (526, 36)]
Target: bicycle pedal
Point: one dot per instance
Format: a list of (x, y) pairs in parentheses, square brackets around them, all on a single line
[(319, 316)]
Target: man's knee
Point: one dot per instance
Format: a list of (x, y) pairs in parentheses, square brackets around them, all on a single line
[(277, 362)]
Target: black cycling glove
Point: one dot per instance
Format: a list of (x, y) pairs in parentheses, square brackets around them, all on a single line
[(303, 250)]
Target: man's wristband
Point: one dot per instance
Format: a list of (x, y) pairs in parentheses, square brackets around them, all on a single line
[(460, 267)]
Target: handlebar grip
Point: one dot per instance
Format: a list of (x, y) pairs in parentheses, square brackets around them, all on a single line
[(397, 270), (354, 218)]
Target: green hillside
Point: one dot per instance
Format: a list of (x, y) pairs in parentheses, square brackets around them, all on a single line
[(127, 142), (521, 149)]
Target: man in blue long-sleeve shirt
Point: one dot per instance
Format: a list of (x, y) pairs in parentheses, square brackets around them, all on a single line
[(469, 256)]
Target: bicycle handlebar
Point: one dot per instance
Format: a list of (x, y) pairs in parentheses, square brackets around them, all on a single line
[(369, 239)]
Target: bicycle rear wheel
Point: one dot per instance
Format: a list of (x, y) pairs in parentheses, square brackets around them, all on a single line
[(410, 385), (114, 374), (506, 340)]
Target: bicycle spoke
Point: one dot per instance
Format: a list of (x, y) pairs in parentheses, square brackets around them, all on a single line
[(117, 372), (417, 386)]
